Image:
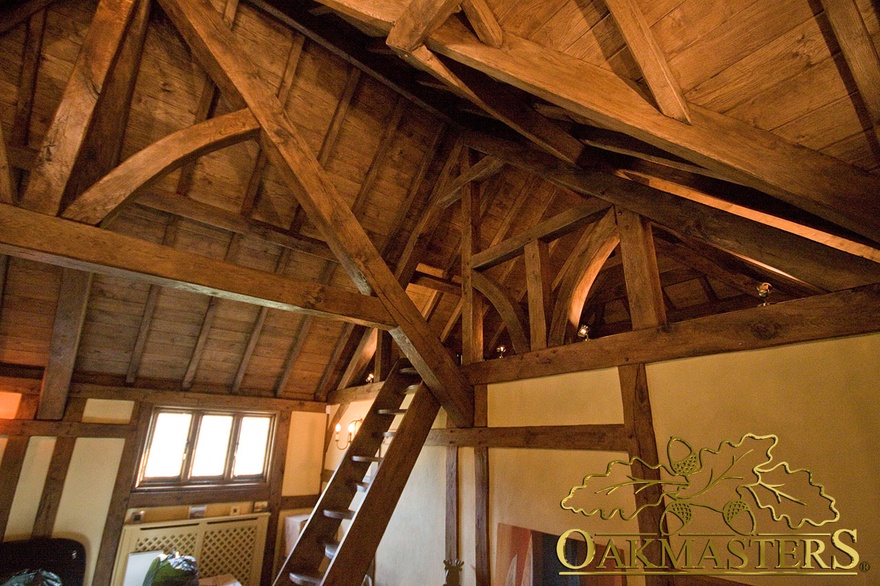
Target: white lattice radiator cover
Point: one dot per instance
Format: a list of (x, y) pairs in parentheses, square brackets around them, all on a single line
[(221, 545)]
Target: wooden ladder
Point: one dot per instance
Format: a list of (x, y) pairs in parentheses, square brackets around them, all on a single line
[(317, 558)]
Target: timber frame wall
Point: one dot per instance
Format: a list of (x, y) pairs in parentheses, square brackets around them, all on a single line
[(71, 428)]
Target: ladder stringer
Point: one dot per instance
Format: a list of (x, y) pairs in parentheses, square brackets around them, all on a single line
[(317, 558)]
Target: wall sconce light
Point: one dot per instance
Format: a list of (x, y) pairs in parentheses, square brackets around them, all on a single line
[(583, 332), (353, 427), (370, 378), (764, 290), (501, 350)]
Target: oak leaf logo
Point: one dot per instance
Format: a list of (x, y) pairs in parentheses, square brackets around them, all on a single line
[(726, 480)]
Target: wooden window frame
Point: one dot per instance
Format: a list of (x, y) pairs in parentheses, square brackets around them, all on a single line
[(185, 480)]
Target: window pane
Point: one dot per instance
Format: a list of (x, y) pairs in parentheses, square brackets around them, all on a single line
[(168, 445), (212, 446), (252, 441)]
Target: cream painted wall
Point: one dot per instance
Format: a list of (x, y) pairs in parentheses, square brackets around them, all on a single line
[(30, 488), (820, 399), (412, 549), (302, 470), (527, 486), (88, 489)]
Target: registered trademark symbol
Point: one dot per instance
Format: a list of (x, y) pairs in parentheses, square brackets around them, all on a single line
[(864, 566)]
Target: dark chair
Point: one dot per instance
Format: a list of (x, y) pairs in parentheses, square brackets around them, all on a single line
[(64, 557)]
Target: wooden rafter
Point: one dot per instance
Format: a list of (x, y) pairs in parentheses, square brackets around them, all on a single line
[(257, 329), (365, 350), (70, 314), (284, 90), (326, 384), (670, 183), (102, 144), (805, 178), (365, 189), (410, 253), (27, 85), (481, 171), (549, 229), (498, 102), (206, 104), (480, 15), (140, 343), (64, 139), (215, 217), (859, 51), (207, 322), (707, 266), (15, 13), (650, 58), (809, 261), (64, 243), (7, 193), (219, 53), (417, 21), (332, 135)]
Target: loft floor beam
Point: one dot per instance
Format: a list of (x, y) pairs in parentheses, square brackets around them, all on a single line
[(68, 244), (844, 313)]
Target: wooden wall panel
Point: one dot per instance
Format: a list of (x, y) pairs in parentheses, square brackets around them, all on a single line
[(569, 23), (797, 96), (860, 150), (825, 126), (739, 33)]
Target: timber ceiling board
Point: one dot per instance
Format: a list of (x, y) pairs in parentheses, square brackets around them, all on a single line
[(382, 131)]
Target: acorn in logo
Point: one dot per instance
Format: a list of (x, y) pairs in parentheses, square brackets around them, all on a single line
[(732, 511)]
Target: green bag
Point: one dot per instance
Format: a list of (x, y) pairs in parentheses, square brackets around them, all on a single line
[(176, 570)]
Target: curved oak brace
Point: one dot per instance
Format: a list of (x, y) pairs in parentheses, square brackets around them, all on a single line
[(152, 163), (593, 249), (511, 312)]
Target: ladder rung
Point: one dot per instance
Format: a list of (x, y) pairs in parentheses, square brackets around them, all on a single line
[(330, 549), (391, 411), (366, 459), (388, 433), (411, 388), (408, 370), (346, 514), (362, 486), (297, 578)]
